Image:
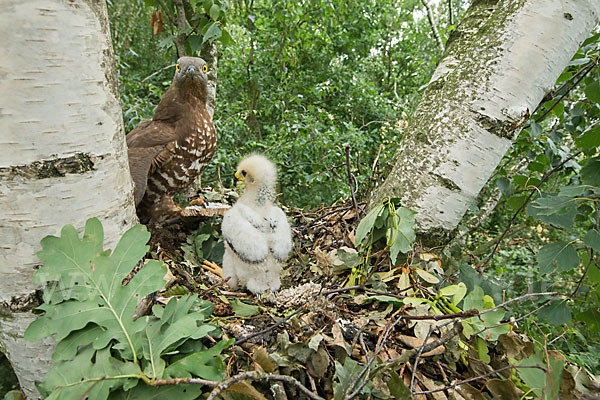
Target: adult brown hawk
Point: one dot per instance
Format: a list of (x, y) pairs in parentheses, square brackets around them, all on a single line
[(167, 152)]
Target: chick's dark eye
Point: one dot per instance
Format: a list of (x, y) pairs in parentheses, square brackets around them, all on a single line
[(243, 173)]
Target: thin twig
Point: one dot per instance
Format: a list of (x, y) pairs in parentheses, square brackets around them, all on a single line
[(255, 376), (434, 29), (253, 335), (592, 64), (463, 314), (352, 181), (221, 282), (373, 169), (455, 384), (584, 274), (547, 303), (157, 72), (370, 361), (424, 348), (414, 370), (534, 190), (524, 296), (179, 381)]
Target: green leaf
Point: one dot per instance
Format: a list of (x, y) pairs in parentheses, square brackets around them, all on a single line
[(242, 309), (592, 239), (212, 33), (405, 232), (557, 313), (592, 92), (590, 173), (478, 300), (366, 224), (67, 348), (472, 279), (589, 139), (203, 364), (572, 190), (397, 387), (535, 129), (344, 376), (482, 350), (559, 255), (457, 292), (179, 392), (226, 38), (544, 385), (174, 324), (69, 375), (504, 186), (214, 12), (168, 40), (534, 378), (553, 209), (195, 42), (515, 202)]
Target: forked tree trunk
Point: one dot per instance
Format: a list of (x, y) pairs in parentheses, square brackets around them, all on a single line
[(498, 65), (63, 157)]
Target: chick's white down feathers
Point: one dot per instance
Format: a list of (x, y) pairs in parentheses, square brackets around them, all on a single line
[(257, 234)]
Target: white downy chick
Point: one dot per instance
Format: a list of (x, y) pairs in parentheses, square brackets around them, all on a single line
[(257, 234)]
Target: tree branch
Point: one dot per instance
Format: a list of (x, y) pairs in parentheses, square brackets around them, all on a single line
[(255, 376), (181, 25), (434, 29)]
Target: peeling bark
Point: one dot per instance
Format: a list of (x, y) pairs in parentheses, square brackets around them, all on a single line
[(498, 64), (63, 156)]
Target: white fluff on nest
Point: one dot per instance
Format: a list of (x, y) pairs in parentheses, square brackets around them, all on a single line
[(257, 234)]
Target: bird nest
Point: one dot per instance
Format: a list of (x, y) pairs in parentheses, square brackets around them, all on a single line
[(343, 326)]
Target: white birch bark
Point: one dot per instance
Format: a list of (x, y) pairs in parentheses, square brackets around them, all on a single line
[(63, 157), (498, 65)]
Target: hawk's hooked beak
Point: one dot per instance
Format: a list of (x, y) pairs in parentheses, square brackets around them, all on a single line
[(191, 70), (238, 176)]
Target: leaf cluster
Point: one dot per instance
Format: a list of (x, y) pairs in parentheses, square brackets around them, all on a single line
[(102, 350)]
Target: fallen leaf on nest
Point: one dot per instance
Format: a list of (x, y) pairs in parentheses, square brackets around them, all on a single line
[(261, 357), (245, 389)]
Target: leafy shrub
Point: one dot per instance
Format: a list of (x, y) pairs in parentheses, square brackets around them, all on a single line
[(102, 350)]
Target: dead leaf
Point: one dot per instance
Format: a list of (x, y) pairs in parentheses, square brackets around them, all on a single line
[(157, 22), (414, 342), (431, 385), (469, 392), (338, 338), (261, 357), (318, 363), (504, 389), (245, 389), (514, 346)]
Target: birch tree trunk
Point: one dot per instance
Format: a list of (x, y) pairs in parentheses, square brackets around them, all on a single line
[(63, 157), (498, 65)]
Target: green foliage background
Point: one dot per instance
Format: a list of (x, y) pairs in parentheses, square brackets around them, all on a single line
[(302, 80)]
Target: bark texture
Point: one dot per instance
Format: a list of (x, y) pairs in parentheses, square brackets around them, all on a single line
[(500, 62), (63, 156)]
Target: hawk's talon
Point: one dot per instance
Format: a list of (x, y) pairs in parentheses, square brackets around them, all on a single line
[(213, 268)]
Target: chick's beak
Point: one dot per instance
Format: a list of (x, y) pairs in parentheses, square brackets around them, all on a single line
[(191, 71), (238, 176)]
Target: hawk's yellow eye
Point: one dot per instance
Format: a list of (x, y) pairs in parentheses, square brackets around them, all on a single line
[(204, 69), (178, 67)]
